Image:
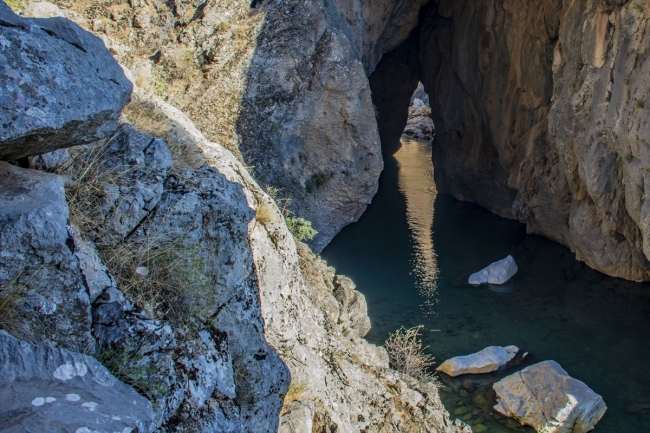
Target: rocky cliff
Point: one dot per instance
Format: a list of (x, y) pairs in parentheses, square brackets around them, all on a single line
[(540, 115), (155, 251), (281, 84)]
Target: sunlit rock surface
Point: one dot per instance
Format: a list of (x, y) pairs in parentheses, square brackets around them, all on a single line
[(496, 273), (485, 361), (545, 397)]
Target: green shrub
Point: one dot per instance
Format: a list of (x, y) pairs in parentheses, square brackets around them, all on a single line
[(301, 228), (16, 5), (316, 181), (159, 76)]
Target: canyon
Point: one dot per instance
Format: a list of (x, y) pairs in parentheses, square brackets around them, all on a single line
[(193, 128)]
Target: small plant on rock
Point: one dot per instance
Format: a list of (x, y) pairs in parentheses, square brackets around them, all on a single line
[(406, 353), (301, 228)]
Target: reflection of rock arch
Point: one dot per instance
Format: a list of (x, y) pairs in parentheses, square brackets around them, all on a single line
[(416, 183)]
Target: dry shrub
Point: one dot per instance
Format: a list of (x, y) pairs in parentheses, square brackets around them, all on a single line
[(406, 353)]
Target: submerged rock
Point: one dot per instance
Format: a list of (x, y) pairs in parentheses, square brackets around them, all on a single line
[(545, 397), (46, 390), (486, 361), (84, 104), (496, 273)]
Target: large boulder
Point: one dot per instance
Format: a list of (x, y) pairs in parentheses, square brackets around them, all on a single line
[(485, 361), (46, 390), (545, 397), (496, 273), (61, 86), (39, 271)]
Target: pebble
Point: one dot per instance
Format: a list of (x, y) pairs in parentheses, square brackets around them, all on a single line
[(479, 399), (479, 428), (460, 411)]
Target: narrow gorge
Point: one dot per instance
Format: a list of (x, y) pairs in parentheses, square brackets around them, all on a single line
[(171, 171)]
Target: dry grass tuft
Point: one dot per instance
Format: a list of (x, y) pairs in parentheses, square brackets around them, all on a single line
[(165, 277), (147, 118), (86, 189), (11, 316), (296, 392), (264, 213), (407, 355), (174, 282)]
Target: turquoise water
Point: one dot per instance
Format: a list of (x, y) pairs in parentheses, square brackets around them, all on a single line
[(410, 260)]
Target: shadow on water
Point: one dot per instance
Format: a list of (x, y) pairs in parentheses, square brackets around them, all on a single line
[(596, 327)]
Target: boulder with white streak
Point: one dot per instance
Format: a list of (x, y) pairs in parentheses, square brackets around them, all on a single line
[(496, 273), (486, 361), (559, 403)]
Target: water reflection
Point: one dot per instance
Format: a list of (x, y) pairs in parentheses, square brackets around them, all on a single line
[(415, 181)]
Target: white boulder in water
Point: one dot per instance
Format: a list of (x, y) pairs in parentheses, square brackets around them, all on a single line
[(545, 397), (496, 273), (486, 361)]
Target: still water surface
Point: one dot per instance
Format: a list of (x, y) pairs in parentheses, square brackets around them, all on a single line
[(410, 253)]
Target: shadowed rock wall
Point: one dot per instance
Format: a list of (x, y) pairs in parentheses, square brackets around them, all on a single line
[(540, 116)]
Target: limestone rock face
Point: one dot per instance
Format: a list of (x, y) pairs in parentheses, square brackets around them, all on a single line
[(83, 106), (496, 273), (353, 307), (280, 84), (38, 262), (47, 389), (222, 375), (339, 381), (540, 116), (545, 397), (485, 361)]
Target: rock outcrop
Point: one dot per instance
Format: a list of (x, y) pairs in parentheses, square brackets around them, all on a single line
[(281, 84), (545, 397), (498, 272), (485, 361), (38, 263), (314, 319), (37, 116), (46, 389)]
